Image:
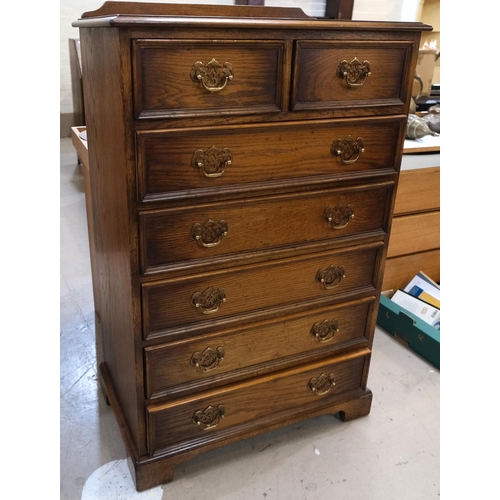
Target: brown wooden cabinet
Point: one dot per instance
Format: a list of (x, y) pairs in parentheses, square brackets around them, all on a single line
[(243, 163), (415, 236)]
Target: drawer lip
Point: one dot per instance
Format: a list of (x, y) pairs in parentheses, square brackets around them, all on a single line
[(346, 364), (165, 171), (304, 348), (178, 319), (396, 102), (316, 232), (274, 99)]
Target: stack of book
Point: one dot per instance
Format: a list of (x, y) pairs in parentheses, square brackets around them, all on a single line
[(421, 297)]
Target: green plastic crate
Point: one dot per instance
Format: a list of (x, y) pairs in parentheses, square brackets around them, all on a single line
[(416, 334)]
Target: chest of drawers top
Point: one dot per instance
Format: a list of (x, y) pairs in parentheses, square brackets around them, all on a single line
[(210, 63)]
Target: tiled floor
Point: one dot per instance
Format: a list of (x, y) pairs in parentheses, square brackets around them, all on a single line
[(393, 453)]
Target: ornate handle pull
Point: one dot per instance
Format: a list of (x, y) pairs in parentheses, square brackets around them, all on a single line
[(213, 161), (209, 301), (321, 385), (354, 73), (210, 233), (209, 417), (348, 149), (325, 330), (339, 215), (213, 75), (208, 359), (331, 276)]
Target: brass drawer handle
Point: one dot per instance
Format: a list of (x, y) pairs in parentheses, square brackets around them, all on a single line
[(210, 233), (349, 149), (331, 276), (209, 417), (209, 300), (213, 75), (208, 359), (322, 385), (213, 161), (339, 215), (354, 73), (325, 330)]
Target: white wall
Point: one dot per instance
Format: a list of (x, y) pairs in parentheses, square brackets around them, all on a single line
[(386, 10), (375, 10), (315, 8)]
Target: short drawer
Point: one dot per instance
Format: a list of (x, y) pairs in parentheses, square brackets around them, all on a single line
[(245, 404), (212, 360), (174, 78), (194, 163), (216, 299), (210, 233), (350, 74)]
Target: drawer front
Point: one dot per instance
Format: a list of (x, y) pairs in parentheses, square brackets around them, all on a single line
[(206, 232), (415, 233), (330, 74), (216, 359), (248, 402), (400, 270), (225, 297), (191, 163), (419, 190), (193, 78)]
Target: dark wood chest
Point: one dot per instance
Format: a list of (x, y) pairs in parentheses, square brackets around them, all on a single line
[(243, 167)]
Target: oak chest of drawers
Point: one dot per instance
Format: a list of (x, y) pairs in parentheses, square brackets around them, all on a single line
[(243, 165)]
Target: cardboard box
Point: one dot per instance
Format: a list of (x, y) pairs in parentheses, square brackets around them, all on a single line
[(426, 63), (411, 331)]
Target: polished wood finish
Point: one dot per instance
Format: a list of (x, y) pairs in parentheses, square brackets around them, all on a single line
[(110, 166), (161, 89), (249, 402), (318, 85), (110, 8), (242, 204), (255, 349), (165, 241), (273, 156), (150, 471), (254, 290)]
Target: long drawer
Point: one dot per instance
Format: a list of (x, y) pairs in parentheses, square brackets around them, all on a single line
[(193, 77), (200, 303), (208, 232), (211, 360), (196, 162), (188, 419), (367, 74)]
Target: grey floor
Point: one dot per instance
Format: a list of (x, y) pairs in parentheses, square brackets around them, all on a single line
[(393, 453)]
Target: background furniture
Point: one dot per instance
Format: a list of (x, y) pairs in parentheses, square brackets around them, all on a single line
[(415, 237), (75, 59)]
